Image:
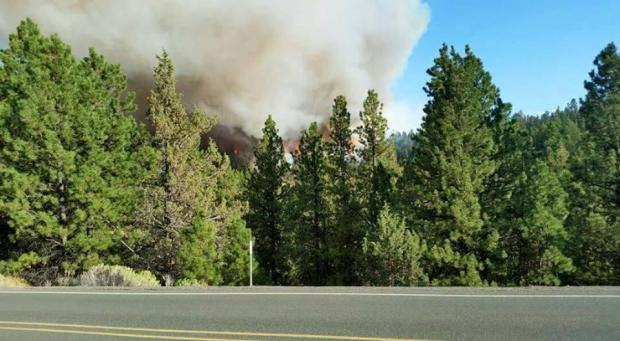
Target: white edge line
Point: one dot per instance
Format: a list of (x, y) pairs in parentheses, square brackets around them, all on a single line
[(112, 293)]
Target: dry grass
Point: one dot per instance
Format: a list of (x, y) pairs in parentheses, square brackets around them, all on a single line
[(12, 282)]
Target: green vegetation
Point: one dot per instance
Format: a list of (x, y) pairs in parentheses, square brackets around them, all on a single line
[(83, 183), (266, 195), (117, 276), (309, 208), (345, 232), (393, 253), (72, 162), (451, 159), (477, 196)]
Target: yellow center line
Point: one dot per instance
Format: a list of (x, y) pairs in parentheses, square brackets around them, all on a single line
[(134, 336), (207, 332)]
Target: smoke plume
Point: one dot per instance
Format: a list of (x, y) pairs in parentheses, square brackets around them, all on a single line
[(242, 60)]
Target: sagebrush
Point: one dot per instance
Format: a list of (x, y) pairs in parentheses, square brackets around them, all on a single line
[(12, 282), (117, 276)]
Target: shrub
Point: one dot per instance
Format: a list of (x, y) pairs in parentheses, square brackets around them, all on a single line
[(190, 283), (67, 281), (12, 282), (117, 276)]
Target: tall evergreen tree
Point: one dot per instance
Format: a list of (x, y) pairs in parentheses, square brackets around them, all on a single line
[(179, 194), (193, 209), (512, 159), (233, 236), (378, 166), (452, 159), (310, 213), (557, 139), (214, 249), (341, 167), (71, 159), (596, 217), (539, 229), (265, 198)]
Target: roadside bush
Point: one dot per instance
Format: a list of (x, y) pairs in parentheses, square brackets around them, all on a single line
[(12, 282), (67, 281), (185, 282), (117, 276)]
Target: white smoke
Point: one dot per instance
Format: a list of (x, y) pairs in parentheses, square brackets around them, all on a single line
[(245, 59)]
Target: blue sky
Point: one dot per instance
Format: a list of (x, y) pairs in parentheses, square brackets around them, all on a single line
[(538, 52)]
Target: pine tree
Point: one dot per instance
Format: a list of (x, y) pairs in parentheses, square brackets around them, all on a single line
[(452, 159), (179, 194), (313, 235), (214, 249), (233, 236), (266, 198), (512, 159), (235, 258), (594, 249), (71, 160), (341, 167), (596, 215), (393, 253), (539, 229), (378, 167), (194, 207)]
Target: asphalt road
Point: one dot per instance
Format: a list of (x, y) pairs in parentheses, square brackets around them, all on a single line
[(269, 313)]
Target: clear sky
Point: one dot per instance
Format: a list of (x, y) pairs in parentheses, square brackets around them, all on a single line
[(538, 52)]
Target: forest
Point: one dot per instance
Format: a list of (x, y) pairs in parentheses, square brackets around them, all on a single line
[(479, 195)]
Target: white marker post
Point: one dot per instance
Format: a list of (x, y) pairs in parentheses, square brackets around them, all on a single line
[(250, 260)]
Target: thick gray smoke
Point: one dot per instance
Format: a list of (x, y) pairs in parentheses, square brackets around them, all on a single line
[(244, 59)]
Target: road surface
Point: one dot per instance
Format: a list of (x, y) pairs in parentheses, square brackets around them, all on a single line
[(272, 313)]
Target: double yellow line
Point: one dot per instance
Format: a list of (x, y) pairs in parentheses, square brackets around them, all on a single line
[(173, 334)]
